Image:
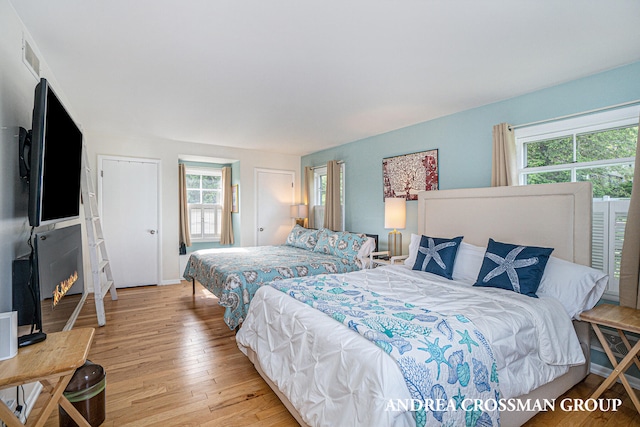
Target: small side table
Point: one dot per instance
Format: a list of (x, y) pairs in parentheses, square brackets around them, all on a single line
[(59, 355), (374, 262), (623, 319)]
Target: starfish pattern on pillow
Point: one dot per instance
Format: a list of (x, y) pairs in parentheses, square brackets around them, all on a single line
[(432, 252), (509, 264)]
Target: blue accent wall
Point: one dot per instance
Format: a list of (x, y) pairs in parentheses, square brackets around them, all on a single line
[(464, 141)]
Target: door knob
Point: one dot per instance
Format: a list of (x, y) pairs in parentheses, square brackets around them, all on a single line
[(152, 231), (261, 229)]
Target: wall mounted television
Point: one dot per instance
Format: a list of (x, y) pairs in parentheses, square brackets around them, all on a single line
[(55, 160), (50, 160)]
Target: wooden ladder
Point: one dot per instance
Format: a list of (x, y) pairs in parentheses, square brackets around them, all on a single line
[(100, 268)]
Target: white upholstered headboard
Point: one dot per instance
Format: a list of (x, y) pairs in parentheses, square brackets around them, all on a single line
[(550, 215)]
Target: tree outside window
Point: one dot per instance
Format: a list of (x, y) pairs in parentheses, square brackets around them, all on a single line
[(605, 158)]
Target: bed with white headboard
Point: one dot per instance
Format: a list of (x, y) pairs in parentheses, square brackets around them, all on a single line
[(305, 359), (557, 216)]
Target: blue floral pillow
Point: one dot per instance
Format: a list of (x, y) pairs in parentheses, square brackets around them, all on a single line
[(437, 255), (303, 238), (513, 267), (326, 239), (342, 244)]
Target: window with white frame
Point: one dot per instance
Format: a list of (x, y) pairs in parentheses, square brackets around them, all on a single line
[(204, 200), (599, 148), (319, 196)]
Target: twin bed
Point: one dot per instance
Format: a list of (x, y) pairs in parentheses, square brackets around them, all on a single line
[(235, 274), (395, 346)]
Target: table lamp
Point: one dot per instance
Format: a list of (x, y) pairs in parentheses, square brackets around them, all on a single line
[(300, 213), (395, 216)]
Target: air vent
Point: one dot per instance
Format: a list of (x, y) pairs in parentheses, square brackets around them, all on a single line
[(30, 59)]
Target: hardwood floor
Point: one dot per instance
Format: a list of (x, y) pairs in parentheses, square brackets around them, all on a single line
[(171, 361)]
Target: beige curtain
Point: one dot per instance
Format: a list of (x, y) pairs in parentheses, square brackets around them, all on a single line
[(307, 192), (333, 210), (226, 231), (630, 262), (503, 167), (183, 215)]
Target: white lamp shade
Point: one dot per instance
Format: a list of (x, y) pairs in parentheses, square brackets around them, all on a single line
[(395, 212), (299, 211)]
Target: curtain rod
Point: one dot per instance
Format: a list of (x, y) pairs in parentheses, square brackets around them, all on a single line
[(584, 113), (324, 166)]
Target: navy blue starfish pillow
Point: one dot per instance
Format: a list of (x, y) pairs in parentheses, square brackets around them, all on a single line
[(513, 267), (437, 255)]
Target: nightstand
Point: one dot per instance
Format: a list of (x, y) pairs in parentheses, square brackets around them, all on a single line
[(382, 258), (622, 319)]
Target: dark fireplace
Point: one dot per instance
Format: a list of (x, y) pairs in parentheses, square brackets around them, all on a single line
[(57, 277)]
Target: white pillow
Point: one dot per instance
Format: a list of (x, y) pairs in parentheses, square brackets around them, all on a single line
[(576, 286), (414, 245), (468, 263), (367, 247)]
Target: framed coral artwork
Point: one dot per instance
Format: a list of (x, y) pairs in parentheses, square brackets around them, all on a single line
[(404, 176)]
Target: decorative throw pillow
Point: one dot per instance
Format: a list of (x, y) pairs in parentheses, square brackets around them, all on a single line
[(342, 244), (349, 244), (513, 267), (303, 238), (326, 240), (437, 256)]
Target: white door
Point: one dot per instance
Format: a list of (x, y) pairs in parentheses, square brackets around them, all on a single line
[(128, 198), (274, 197)]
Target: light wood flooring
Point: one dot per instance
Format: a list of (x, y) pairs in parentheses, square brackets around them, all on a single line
[(171, 361)]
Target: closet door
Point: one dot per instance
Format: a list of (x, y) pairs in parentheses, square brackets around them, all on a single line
[(274, 197), (128, 201)]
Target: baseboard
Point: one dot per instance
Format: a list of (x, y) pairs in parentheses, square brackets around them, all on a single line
[(170, 282), (605, 372), (31, 397)]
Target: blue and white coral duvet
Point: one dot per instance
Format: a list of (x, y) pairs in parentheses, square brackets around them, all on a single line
[(333, 375)]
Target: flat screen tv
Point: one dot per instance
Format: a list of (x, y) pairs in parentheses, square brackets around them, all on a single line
[(55, 160)]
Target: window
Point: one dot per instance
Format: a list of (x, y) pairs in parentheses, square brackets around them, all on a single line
[(320, 194), (599, 148), (204, 199)]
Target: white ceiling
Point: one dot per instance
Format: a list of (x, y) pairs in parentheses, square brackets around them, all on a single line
[(299, 76)]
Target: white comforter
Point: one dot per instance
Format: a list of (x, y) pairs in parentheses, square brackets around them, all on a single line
[(332, 374)]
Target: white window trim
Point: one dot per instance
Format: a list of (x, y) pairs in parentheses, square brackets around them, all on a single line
[(621, 117), (203, 171), (195, 170)]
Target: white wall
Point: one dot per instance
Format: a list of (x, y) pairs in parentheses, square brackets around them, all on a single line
[(168, 152)]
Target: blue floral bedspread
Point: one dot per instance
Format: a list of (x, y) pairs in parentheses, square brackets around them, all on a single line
[(446, 362), (235, 274)]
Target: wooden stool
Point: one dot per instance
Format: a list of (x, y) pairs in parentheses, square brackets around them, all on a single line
[(623, 319), (59, 355)]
